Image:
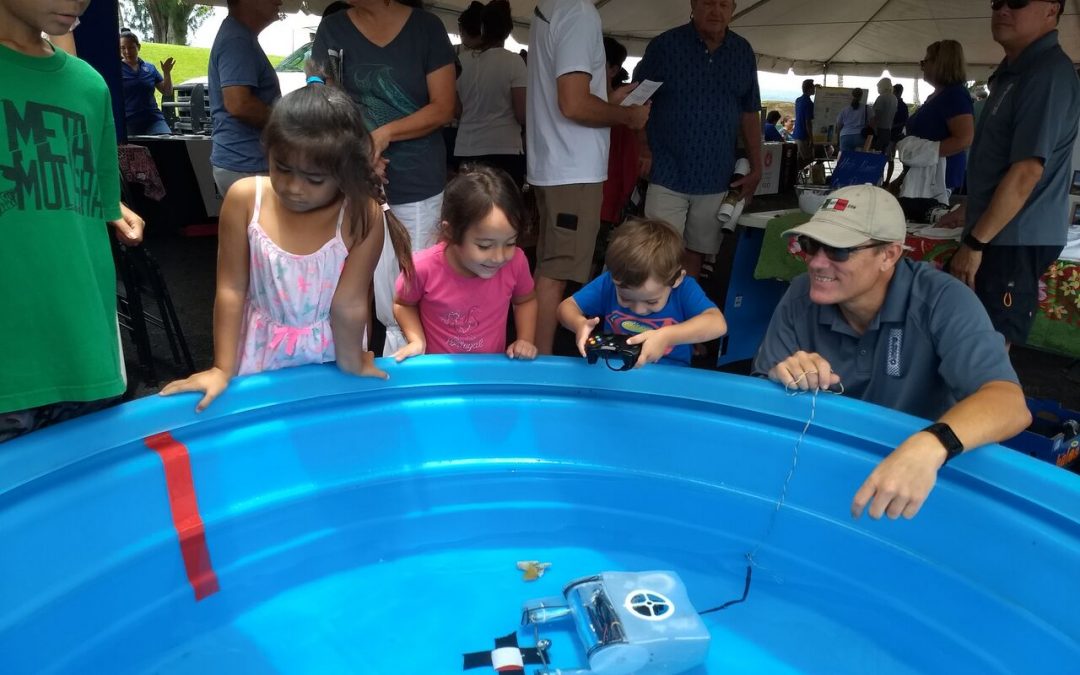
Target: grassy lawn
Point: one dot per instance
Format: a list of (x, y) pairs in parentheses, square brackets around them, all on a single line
[(190, 61)]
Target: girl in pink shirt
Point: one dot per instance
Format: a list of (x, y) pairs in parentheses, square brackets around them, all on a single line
[(457, 300)]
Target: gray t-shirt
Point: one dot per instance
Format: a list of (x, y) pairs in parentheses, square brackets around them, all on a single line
[(236, 59), (390, 83), (884, 111), (930, 345), (1033, 111)]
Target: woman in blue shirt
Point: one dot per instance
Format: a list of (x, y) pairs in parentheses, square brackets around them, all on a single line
[(851, 121), (141, 113), (948, 116)]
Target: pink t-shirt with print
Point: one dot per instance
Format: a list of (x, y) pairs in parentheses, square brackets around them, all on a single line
[(463, 315)]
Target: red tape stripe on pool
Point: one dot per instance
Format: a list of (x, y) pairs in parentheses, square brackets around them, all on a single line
[(185, 513)]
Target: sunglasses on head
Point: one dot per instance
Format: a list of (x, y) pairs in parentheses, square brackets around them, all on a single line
[(812, 246), (1014, 4)]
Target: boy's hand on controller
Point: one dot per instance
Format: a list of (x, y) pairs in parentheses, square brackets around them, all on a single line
[(584, 332), (522, 349), (653, 346)]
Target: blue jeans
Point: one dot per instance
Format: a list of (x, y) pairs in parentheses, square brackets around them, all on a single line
[(150, 127), (851, 142)]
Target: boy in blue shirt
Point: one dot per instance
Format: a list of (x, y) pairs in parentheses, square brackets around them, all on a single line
[(646, 293)]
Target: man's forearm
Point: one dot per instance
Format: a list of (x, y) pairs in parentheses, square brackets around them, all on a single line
[(1009, 198), (996, 412), (751, 133), (592, 111)]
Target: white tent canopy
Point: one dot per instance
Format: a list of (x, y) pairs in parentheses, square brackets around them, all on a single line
[(847, 37)]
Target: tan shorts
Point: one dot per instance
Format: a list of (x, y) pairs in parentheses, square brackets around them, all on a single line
[(693, 216), (569, 222)]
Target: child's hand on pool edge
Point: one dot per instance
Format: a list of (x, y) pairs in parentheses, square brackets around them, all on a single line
[(414, 348), (522, 349), (211, 382)]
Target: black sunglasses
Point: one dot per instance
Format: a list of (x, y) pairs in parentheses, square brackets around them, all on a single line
[(1015, 4), (812, 246)]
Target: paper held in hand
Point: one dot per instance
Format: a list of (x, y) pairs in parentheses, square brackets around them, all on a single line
[(642, 93)]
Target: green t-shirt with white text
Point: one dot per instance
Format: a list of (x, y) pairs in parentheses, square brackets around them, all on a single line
[(59, 184)]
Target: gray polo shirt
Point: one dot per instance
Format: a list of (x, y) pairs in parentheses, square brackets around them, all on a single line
[(1033, 111), (930, 346)]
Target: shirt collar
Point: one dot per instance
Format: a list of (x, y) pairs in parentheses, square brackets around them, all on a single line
[(1030, 56)]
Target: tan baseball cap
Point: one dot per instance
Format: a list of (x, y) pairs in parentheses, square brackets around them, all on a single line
[(852, 215)]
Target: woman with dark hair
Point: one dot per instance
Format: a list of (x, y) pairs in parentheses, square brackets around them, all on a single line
[(491, 90), (948, 115), (398, 64), (141, 113), (851, 121)]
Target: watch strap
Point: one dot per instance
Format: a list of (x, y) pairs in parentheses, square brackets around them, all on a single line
[(974, 244), (944, 433)]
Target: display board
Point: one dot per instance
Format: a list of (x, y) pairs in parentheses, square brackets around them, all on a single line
[(828, 102)]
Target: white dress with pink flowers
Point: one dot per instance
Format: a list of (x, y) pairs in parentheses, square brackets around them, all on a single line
[(287, 312)]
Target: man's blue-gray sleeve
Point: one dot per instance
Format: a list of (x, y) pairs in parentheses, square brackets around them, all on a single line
[(972, 353), (781, 339)]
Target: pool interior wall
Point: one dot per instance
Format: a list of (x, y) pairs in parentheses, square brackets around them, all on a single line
[(361, 526)]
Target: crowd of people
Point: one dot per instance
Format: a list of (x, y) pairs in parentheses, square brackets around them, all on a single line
[(338, 199)]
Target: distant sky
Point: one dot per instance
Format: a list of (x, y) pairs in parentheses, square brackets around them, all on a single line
[(284, 37)]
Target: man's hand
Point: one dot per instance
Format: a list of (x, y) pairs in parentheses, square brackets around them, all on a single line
[(639, 116), (965, 265), (804, 371), (953, 218), (584, 332), (900, 484), (367, 367), (415, 348), (653, 343), (211, 382), (129, 229), (522, 349), (167, 65), (747, 185)]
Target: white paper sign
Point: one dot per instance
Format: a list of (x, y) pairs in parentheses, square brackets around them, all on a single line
[(642, 93)]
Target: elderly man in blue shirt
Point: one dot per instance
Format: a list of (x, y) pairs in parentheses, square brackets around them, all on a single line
[(709, 96), (894, 332), (1016, 218)]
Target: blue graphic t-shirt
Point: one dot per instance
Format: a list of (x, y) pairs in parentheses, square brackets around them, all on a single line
[(687, 300), (390, 83)]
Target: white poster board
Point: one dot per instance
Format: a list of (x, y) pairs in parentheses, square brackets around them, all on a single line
[(828, 102)]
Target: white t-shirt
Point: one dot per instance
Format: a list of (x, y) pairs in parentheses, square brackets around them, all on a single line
[(488, 125), (566, 40)]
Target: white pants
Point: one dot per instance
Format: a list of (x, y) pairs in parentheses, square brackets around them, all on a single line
[(421, 219)]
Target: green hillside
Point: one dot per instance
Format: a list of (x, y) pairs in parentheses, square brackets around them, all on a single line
[(190, 61)]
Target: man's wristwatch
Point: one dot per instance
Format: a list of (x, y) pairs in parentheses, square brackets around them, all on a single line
[(974, 244), (944, 433)]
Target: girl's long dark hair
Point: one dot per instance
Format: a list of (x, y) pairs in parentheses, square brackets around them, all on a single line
[(323, 125)]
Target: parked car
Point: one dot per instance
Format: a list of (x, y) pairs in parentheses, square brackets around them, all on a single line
[(290, 71)]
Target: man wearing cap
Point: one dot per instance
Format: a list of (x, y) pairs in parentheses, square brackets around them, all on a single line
[(894, 332), (1016, 218)]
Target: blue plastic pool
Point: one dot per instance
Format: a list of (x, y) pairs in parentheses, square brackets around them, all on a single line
[(351, 525)]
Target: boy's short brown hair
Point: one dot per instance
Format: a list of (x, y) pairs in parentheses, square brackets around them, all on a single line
[(641, 249)]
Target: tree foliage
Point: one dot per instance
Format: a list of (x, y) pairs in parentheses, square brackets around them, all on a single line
[(163, 21)]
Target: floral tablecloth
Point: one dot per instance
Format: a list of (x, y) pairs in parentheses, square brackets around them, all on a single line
[(1057, 322)]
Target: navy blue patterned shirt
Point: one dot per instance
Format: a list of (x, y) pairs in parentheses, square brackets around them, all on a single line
[(696, 114)]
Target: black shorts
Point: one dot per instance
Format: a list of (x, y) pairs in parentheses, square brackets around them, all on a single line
[(1008, 285)]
